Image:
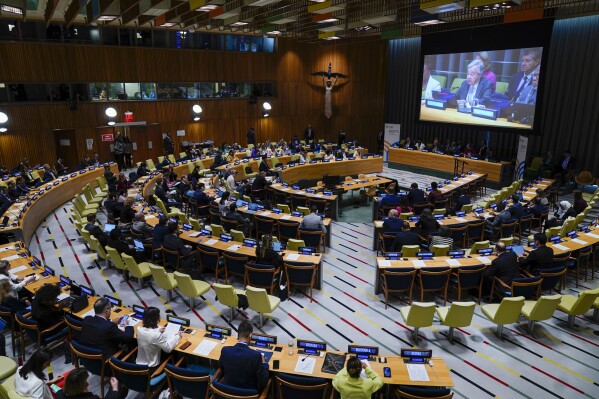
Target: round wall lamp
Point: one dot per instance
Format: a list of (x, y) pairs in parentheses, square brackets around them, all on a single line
[(3, 122), (197, 110), (266, 108), (111, 114)]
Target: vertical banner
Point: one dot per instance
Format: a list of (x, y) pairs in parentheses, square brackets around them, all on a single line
[(521, 157), (391, 136)]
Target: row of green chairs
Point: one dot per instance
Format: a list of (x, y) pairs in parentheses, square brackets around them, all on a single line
[(459, 314)]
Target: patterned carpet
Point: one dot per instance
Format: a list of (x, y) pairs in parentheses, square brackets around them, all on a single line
[(555, 362)]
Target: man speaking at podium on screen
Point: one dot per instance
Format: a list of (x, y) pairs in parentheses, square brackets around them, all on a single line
[(476, 89)]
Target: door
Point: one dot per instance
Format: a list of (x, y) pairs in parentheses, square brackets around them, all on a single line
[(154, 141), (66, 147), (137, 135), (105, 140)]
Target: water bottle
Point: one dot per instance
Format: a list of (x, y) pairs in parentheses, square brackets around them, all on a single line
[(290, 346)]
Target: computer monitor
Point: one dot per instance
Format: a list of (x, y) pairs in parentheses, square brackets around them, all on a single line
[(276, 246), (109, 227), (331, 181), (138, 245)]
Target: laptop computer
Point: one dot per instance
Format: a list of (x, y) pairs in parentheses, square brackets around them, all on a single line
[(68, 301), (109, 227), (2, 325), (276, 246), (139, 246), (518, 249)]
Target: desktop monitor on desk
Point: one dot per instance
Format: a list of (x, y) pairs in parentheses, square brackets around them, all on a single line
[(330, 182)]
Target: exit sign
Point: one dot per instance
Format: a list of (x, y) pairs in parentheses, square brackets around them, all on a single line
[(108, 137)]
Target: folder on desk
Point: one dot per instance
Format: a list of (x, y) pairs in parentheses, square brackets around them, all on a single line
[(333, 363)]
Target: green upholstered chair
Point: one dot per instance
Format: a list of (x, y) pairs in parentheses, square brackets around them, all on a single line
[(259, 301), (164, 280), (506, 312), (459, 314), (191, 288), (137, 270), (418, 315), (575, 306), (228, 296), (541, 309)]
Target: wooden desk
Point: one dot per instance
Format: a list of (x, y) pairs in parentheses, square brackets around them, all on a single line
[(51, 199), (495, 171), (8, 250), (315, 171), (451, 115)]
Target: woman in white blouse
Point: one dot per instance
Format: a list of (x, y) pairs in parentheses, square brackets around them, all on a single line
[(30, 380), (151, 340)]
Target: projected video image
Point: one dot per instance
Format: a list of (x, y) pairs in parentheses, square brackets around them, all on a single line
[(490, 88)]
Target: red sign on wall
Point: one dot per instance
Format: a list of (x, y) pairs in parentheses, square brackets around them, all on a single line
[(108, 137)]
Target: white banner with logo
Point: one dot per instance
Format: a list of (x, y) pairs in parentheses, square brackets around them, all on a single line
[(521, 157), (391, 136)]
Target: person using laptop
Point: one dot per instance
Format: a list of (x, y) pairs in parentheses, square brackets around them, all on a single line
[(541, 257), (351, 386), (141, 227), (116, 241), (95, 230), (265, 254)]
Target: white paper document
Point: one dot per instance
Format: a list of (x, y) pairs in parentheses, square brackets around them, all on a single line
[(483, 259), (17, 269), (150, 216), (384, 262), (286, 217), (579, 241), (90, 312), (264, 213), (292, 257), (593, 235), (211, 241), (461, 220), (560, 246), (453, 262), (7, 249), (305, 365), (61, 297), (196, 234), (205, 347), (417, 372), (171, 329), (419, 263), (234, 247), (9, 258)]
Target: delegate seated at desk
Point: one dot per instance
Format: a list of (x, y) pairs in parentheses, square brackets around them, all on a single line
[(242, 366), (101, 333), (313, 221), (476, 89), (351, 386)]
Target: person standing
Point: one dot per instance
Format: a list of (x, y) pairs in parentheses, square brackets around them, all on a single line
[(127, 152), (119, 151), (251, 135), (309, 134), (167, 144)]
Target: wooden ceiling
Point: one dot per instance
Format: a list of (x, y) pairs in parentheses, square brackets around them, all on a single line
[(303, 19)]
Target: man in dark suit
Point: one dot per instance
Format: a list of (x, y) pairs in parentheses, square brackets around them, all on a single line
[(172, 242), (505, 267), (415, 195), (99, 332), (309, 134), (243, 224), (531, 58), (59, 167), (160, 231), (263, 167), (393, 224), (200, 196), (475, 87), (95, 230), (242, 366), (406, 237), (516, 210), (260, 183), (539, 258), (49, 174), (167, 144), (251, 137)]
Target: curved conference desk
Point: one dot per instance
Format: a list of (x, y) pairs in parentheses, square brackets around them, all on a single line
[(25, 216), (497, 172)]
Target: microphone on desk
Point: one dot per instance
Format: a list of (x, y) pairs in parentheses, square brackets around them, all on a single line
[(307, 355)]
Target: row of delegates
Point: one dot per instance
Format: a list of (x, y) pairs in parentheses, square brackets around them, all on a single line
[(31, 381)]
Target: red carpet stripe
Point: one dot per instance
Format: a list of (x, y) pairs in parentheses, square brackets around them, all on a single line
[(530, 338), (359, 260), (299, 322), (358, 278), (487, 374), (356, 299), (583, 339), (359, 232), (557, 379), (356, 328), (361, 246)]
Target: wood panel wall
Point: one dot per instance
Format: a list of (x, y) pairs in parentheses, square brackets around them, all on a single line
[(358, 103)]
